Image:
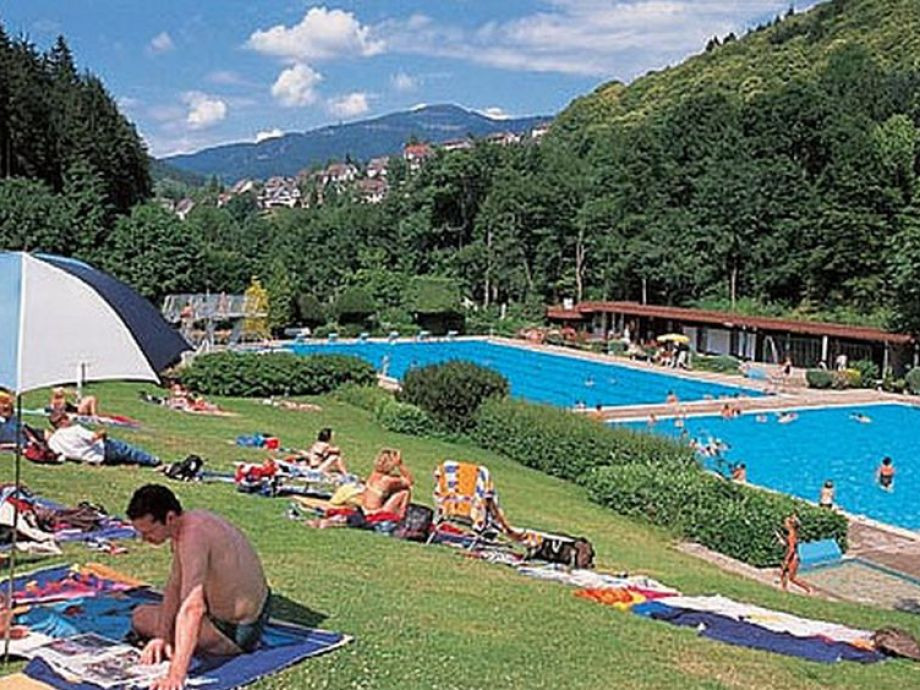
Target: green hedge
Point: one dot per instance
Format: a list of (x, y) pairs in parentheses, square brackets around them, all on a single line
[(720, 364), (404, 418), (649, 477), (819, 378), (913, 380), (868, 372), (277, 373), (452, 392), (736, 520), (565, 444)]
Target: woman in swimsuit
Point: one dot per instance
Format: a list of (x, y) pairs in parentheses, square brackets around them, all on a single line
[(790, 567), (86, 406), (389, 486), (323, 456)]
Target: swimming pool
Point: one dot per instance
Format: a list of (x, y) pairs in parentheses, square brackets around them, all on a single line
[(536, 376), (798, 457)]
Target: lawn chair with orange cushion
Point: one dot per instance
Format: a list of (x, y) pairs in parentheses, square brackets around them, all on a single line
[(465, 496)]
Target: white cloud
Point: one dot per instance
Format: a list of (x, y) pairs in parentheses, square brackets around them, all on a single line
[(404, 82), (349, 105), (268, 134), (204, 110), (322, 34), (495, 113), (226, 78), (295, 86), (161, 43), (622, 38)]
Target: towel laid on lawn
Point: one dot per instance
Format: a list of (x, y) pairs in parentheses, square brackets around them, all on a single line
[(105, 610)]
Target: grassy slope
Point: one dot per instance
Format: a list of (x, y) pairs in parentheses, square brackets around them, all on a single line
[(425, 617), (888, 29)]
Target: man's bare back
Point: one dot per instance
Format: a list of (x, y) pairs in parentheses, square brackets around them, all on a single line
[(234, 584)]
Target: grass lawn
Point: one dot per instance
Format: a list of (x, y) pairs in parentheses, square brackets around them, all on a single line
[(425, 616)]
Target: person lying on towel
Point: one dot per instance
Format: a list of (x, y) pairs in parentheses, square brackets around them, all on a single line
[(216, 600), (75, 442)]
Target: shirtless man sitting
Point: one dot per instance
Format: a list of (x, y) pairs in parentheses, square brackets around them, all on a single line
[(216, 600)]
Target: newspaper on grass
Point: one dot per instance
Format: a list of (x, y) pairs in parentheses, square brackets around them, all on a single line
[(95, 659)]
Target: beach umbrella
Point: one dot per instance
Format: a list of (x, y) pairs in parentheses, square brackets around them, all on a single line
[(673, 338), (62, 320)]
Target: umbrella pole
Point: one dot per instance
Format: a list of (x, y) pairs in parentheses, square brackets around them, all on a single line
[(8, 613)]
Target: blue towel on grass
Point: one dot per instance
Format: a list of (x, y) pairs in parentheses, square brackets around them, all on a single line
[(744, 634)]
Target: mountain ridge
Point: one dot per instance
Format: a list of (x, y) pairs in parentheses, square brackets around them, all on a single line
[(361, 140)]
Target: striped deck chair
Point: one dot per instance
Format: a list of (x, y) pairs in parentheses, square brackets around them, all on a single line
[(465, 495)]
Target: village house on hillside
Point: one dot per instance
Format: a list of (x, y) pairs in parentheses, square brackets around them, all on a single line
[(456, 144), (416, 154), (279, 192), (339, 174), (377, 167), (372, 190)]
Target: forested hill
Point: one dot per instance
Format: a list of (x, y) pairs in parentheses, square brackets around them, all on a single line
[(763, 61), (362, 140), (779, 167)]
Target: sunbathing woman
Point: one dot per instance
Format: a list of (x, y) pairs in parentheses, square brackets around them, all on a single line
[(386, 495), (323, 456), (389, 486), (86, 406)]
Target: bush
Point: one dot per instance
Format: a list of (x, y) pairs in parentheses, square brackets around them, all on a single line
[(404, 418), (868, 372), (452, 392), (565, 444), (819, 378), (355, 305), (368, 398), (736, 520), (311, 311), (616, 347), (280, 373), (913, 380), (720, 364), (847, 378)]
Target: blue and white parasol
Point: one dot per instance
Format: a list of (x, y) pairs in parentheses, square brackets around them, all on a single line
[(62, 320)]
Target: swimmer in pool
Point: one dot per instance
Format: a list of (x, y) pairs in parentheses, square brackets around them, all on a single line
[(761, 418), (886, 474), (786, 417), (861, 418)]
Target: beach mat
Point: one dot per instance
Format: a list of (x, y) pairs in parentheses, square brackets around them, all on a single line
[(105, 609)]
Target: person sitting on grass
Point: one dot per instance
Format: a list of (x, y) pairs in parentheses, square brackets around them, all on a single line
[(74, 442), (324, 456), (216, 600), (87, 406), (385, 496)]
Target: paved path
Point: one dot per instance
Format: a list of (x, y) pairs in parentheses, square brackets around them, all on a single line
[(895, 549)]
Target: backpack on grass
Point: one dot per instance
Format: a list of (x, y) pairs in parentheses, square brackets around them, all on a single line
[(575, 552), (416, 524)]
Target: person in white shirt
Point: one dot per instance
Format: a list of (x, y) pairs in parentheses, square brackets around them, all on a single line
[(75, 442)]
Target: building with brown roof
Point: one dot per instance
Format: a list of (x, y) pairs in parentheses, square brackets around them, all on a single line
[(752, 338)]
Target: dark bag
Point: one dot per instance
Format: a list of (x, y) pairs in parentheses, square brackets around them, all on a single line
[(185, 470), (575, 552), (416, 524), (896, 642)]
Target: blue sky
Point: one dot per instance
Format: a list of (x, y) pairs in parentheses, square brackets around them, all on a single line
[(198, 73)]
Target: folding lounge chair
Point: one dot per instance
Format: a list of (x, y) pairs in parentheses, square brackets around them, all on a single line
[(465, 496)]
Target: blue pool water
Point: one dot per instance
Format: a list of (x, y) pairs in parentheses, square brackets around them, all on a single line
[(535, 376), (798, 457)]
